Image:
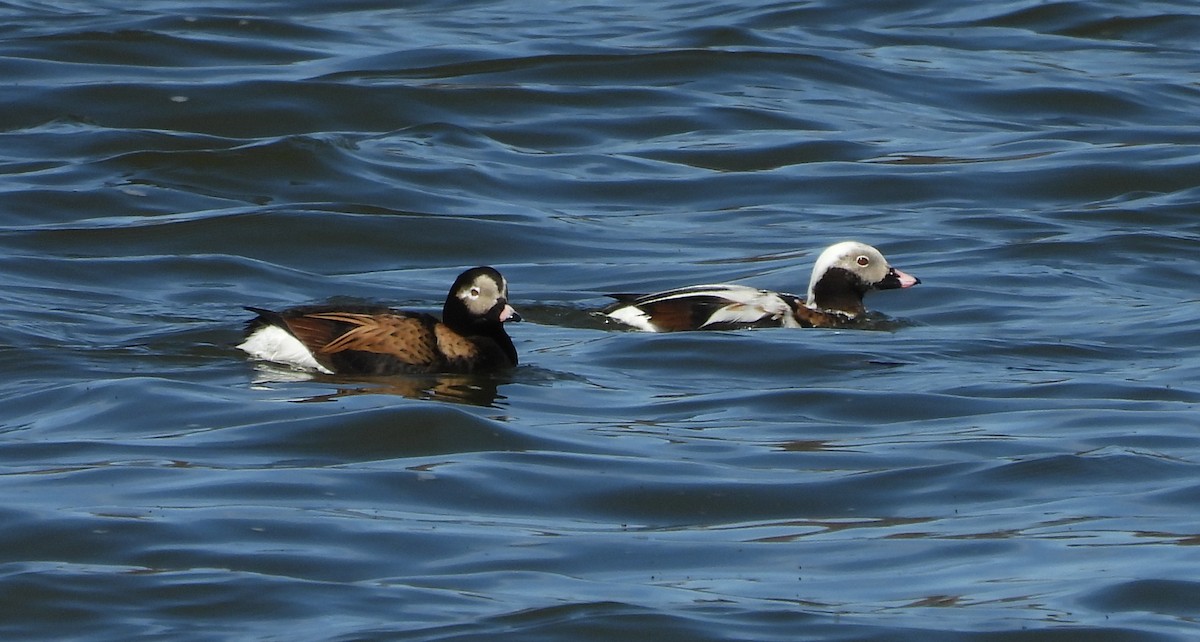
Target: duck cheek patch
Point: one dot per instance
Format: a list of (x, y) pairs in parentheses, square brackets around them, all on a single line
[(475, 305)]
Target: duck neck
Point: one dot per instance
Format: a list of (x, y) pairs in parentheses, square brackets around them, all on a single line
[(839, 291), (456, 317)]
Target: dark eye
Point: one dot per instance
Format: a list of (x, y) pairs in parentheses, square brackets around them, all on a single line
[(474, 293), (863, 261)]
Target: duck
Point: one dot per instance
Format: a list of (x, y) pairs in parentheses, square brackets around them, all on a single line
[(841, 276), (377, 340)]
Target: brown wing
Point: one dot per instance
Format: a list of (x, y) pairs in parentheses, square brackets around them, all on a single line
[(405, 338), (312, 332)]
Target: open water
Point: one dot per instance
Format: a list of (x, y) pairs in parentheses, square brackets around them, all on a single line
[(1017, 457)]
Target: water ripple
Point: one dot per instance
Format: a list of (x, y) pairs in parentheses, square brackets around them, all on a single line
[(1015, 439)]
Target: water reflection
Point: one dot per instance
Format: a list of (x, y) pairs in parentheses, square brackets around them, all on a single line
[(474, 390)]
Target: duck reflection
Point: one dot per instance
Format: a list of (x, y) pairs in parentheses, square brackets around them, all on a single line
[(468, 389)]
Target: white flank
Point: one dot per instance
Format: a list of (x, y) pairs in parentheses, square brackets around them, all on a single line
[(272, 343), (766, 305), (632, 316), (746, 305)]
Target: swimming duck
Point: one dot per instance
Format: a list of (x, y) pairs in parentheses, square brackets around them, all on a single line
[(376, 340), (841, 276)]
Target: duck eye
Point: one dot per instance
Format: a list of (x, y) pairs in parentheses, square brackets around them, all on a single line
[(863, 261), (474, 293)]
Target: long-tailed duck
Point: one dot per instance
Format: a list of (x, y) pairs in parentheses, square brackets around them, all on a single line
[(376, 340), (841, 276)]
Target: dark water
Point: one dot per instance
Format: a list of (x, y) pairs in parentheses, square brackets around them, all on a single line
[(1017, 459)]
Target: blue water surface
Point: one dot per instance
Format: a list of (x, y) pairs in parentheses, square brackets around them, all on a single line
[(1013, 455)]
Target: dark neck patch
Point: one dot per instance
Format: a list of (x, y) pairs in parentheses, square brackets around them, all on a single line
[(458, 318), (840, 290)]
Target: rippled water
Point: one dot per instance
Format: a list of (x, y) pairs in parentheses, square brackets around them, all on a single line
[(1015, 458)]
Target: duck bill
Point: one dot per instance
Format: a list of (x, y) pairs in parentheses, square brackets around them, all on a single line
[(897, 279), (509, 314)]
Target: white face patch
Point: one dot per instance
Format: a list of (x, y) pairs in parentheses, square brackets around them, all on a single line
[(859, 258), (482, 294)]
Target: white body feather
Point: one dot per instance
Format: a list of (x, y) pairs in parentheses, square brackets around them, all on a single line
[(273, 343), (633, 316), (745, 305)]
